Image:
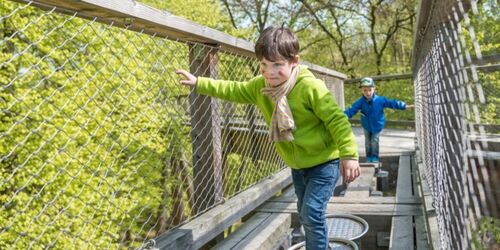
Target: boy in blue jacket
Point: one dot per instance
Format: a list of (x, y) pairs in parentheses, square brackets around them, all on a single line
[(372, 107)]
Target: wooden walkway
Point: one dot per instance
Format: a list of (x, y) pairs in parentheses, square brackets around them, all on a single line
[(392, 217), (270, 219), (393, 142)]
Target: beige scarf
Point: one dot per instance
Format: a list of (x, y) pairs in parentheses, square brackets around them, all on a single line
[(282, 123)]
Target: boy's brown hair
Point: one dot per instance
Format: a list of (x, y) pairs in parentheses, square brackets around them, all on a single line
[(277, 43)]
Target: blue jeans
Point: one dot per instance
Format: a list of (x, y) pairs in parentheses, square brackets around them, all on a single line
[(371, 145), (314, 187)]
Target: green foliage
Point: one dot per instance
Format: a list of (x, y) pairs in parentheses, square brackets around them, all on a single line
[(487, 236), (86, 117), (486, 29), (208, 13), (486, 26), (243, 172), (95, 151), (485, 39), (490, 87)]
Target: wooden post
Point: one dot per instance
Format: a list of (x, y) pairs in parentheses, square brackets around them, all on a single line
[(336, 87), (205, 133)]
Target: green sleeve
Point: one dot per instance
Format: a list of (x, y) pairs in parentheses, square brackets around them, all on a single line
[(326, 108), (241, 92)]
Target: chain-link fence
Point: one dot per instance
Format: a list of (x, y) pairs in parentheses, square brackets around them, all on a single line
[(457, 84), (100, 146)]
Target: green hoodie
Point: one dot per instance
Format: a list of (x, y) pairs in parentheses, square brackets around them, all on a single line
[(322, 130)]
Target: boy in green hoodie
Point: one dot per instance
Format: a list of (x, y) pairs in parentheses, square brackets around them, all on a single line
[(310, 131)]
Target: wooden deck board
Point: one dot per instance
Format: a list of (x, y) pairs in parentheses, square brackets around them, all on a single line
[(334, 208), (261, 231), (346, 200), (420, 225), (402, 228), (404, 185), (361, 186), (213, 222), (402, 233), (392, 141)]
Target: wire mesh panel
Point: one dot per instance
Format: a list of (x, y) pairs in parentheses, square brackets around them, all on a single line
[(100, 147), (335, 85), (456, 77)]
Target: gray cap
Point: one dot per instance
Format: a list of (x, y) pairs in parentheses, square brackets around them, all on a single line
[(366, 82)]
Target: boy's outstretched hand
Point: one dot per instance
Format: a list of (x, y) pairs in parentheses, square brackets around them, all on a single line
[(410, 106), (189, 79), (349, 169)]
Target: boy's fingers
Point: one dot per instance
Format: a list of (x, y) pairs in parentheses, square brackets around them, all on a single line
[(342, 171), (348, 175), (354, 174), (345, 173), (181, 72), (184, 73), (188, 80)]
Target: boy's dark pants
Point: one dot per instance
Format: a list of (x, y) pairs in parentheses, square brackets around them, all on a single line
[(314, 187), (371, 145)]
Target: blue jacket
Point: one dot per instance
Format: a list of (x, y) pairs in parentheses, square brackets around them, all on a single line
[(372, 112)]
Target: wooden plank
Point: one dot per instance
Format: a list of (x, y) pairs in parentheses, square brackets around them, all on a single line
[(379, 78), (288, 196), (402, 226), (369, 164), (401, 233), (421, 233), (490, 155), (243, 231), (404, 186), (420, 225), (142, 18), (288, 193), (336, 87), (261, 231), (361, 186), (429, 212), (178, 239), (389, 124), (366, 209), (208, 225), (346, 200), (324, 70)]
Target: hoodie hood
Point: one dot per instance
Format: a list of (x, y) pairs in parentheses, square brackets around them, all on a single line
[(304, 72)]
